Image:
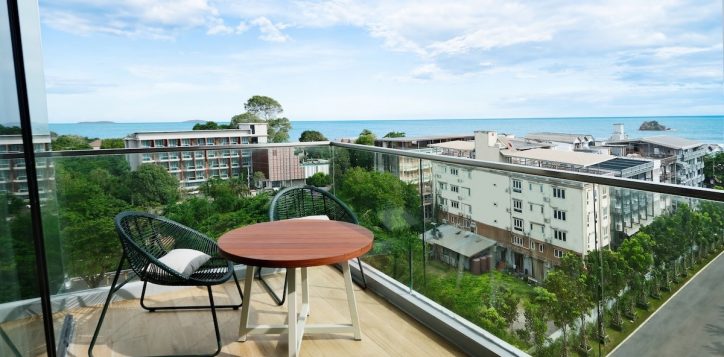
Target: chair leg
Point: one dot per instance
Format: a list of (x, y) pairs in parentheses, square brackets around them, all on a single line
[(279, 301), (216, 322), (105, 306), (10, 343), (193, 307)]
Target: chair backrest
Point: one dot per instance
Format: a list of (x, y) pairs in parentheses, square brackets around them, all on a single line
[(295, 202), (145, 237)]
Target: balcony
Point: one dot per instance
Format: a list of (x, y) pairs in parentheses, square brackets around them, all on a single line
[(409, 266)]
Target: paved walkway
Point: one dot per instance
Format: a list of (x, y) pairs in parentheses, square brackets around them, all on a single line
[(690, 324)]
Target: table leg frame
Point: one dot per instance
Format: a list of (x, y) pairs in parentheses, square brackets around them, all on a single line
[(297, 319)]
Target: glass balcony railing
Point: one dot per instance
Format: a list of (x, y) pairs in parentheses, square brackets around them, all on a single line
[(495, 264)]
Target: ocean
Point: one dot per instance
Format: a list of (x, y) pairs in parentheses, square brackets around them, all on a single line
[(705, 129)]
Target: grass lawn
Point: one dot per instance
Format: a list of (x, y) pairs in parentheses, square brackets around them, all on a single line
[(516, 285)]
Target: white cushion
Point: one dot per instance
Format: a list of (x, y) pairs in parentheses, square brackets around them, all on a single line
[(319, 217), (184, 261)]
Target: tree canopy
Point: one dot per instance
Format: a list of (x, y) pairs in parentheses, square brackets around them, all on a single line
[(152, 185), (395, 134), (209, 125), (113, 143), (10, 130), (70, 142), (263, 107), (312, 135)]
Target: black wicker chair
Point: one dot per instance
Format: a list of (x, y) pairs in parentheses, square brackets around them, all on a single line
[(146, 238), (297, 202)]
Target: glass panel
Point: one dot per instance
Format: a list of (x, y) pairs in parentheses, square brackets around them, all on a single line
[(384, 192)]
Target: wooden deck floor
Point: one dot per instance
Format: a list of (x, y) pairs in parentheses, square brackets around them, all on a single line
[(129, 330)]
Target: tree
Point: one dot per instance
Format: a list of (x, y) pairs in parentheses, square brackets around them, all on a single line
[(263, 107), (258, 179), (260, 109), (395, 134), (612, 267), (113, 143), (10, 130), (278, 130), (209, 125), (714, 170), (568, 284), (536, 316), (363, 159), (637, 252), (506, 304), (245, 117), (70, 142), (320, 179), (311, 135), (152, 185)]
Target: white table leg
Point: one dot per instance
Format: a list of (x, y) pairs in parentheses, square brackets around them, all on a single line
[(292, 312), (351, 301), (305, 293), (244, 322)]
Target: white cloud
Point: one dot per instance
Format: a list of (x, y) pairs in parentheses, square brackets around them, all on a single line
[(270, 31)]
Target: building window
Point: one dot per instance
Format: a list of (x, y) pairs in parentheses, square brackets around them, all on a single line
[(517, 205), (557, 253), (454, 188), (465, 190), (158, 143), (559, 192), (559, 214), (517, 186), (443, 201), (532, 245), (453, 171), (454, 204), (540, 247), (517, 240), (442, 185), (559, 235), (518, 224)]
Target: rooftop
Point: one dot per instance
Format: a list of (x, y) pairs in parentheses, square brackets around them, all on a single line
[(460, 241), (559, 137), (568, 157), (673, 142), (618, 164), (455, 145), (427, 138)]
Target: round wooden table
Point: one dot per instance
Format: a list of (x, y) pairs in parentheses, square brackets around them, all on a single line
[(292, 244)]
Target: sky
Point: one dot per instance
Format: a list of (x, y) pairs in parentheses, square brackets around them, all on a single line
[(176, 60)]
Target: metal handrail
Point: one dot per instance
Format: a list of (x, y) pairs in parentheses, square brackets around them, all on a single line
[(90, 152), (688, 191)]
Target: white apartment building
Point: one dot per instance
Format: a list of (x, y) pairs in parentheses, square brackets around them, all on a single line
[(13, 177), (193, 168), (534, 220)]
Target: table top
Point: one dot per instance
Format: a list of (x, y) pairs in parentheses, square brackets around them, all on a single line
[(295, 243)]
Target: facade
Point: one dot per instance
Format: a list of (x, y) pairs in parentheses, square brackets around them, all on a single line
[(193, 168), (563, 141), (534, 220), (13, 177), (281, 167), (682, 160), (411, 170)]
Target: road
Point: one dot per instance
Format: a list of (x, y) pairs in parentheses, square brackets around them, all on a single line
[(690, 324)]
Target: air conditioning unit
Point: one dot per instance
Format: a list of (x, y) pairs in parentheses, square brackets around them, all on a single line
[(548, 240), (546, 199), (507, 210), (460, 198), (547, 220), (460, 180), (507, 190)]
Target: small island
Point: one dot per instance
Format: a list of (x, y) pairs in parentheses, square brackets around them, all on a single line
[(653, 126), (97, 122)]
